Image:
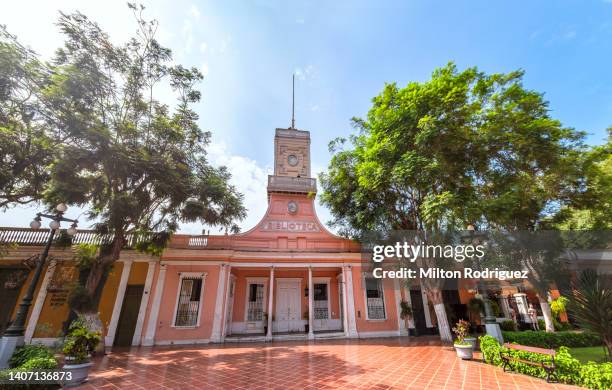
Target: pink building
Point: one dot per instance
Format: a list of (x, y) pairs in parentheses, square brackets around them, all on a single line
[(286, 278)]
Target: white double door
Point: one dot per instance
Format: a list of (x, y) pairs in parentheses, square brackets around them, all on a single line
[(288, 317)]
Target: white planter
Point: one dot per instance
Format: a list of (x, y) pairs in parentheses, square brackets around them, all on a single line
[(465, 352), (79, 373), (471, 340)]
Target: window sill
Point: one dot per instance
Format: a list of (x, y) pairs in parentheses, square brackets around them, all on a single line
[(376, 319), (185, 327)]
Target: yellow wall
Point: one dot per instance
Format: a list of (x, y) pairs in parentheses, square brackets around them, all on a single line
[(107, 301), (55, 309)]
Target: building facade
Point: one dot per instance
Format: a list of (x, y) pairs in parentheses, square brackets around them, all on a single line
[(286, 278)]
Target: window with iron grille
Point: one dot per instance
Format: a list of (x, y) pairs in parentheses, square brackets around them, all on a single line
[(321, 311), (255, 302), (375, 299), (188, 307)]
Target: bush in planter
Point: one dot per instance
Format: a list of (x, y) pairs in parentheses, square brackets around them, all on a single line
[(81, 342), (29, 358), (555, 340), (28, 352)]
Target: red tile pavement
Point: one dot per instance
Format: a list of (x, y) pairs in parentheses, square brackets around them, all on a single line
[(391, 363)]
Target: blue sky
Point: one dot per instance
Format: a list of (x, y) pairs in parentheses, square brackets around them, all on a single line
[(343, 53)]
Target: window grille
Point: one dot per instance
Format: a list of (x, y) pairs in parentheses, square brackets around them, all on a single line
[(321, 311), (375, 299), (189, 302), (255, 308)]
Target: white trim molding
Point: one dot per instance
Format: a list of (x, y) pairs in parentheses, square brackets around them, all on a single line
[(144, 301), (40, 301), (149, 338), (190, 275), (114, 321)]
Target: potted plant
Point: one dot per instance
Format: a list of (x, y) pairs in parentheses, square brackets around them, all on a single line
[(405, 313), (463, 347), (79, 345), (305, 316)]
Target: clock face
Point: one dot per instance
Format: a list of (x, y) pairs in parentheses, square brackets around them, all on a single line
[(292, 207), (292, 160)]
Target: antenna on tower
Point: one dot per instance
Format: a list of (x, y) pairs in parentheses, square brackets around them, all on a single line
[(293, 104)]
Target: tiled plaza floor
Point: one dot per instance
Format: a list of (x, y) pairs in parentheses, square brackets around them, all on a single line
[(393, 363)]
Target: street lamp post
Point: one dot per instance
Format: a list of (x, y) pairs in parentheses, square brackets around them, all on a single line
[(14, 334), (491, 325)]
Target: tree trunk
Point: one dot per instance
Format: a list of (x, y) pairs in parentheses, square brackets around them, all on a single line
[(550, 327), (435, 296), (96, 276)]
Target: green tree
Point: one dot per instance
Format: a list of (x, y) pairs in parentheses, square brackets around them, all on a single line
[(590, 204), (137, 164), (463, 147), (27, 142)]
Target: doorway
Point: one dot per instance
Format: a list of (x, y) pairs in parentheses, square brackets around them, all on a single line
[(288, 318), (129, 315)]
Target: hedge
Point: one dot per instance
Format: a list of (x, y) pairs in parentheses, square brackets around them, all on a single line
[(29, 358), (554, 340), (569, 370)]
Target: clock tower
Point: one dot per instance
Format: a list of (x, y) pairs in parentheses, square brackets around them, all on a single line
[(292, 172)]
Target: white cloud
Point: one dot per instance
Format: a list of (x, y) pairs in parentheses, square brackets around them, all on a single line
[(307, 72), (203, 47), (204, 69), (300, 21), (249, 178), (187, 32), (194, 12)]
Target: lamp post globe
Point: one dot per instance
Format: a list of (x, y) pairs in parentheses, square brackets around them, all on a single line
[(61, 207), (54, 225), (35, 224), (71, 231)]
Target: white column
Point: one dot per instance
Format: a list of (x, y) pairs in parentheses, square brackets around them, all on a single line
[(428, 322), (521, 303), (149, 338), (270, 303), (350, 303), (310, 305), (218, 316), (344, 303), (401, 324), (112, 327), (40, 301), (227, 298), (144, 301)]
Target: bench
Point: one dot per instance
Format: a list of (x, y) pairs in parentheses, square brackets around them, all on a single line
[(549, 367)]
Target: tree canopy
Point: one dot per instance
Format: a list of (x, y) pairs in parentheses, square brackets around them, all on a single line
[(27, 142), (463, 147)]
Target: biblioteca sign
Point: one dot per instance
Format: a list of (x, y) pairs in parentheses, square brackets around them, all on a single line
[(290, 226)]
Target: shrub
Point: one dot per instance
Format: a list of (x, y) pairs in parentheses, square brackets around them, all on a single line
[(553, 340), (81, 342), (508, 325), (596, 376), (39, 363), (29, 358), (541, 324), (461, 330), (28, 352), (569, 370)]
